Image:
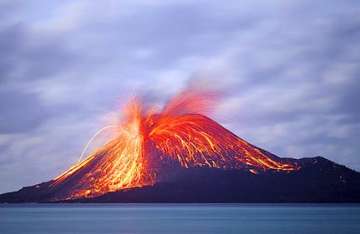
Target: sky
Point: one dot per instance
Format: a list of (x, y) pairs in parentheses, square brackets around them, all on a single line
[(289, 73)]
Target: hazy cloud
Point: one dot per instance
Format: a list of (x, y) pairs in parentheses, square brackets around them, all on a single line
[(289, 71)]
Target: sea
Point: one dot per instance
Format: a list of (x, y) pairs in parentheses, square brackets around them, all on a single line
[(179, 218)]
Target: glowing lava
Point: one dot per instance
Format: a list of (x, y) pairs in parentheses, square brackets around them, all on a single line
[(148, 140)]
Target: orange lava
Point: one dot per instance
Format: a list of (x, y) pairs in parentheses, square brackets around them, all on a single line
[(177, 133)]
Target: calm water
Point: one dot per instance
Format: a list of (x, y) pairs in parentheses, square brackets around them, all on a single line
[(180, 218)]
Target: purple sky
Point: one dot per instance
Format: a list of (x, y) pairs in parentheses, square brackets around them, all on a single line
[(288, 70)]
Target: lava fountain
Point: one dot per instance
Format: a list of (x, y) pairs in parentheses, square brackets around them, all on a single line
[(147, 141)]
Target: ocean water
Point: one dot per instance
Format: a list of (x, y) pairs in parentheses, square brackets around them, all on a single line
[(180, 218)]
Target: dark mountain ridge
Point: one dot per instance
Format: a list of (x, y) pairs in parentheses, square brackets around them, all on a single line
[(191, 158), (318, 180)]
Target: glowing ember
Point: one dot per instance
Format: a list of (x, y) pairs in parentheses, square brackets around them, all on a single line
[(146, 141)]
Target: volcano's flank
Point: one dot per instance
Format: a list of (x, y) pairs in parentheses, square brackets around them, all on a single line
[(177, 156)]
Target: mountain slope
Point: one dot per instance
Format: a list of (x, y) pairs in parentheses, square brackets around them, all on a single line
[(318, 180), (152, 148), (191, 158)]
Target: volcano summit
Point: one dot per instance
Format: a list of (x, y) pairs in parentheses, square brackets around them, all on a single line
[(180, 155)]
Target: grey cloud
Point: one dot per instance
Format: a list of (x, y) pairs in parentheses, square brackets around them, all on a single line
[(20, 112), (289, 71), (26, 57)]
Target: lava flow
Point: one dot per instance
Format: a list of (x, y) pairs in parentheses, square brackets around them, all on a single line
[(147, 141)]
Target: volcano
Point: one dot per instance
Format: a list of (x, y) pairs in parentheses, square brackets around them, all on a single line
[(180, 155)]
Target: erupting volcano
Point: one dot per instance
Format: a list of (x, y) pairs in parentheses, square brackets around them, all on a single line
[(148, 142), (178, 144)]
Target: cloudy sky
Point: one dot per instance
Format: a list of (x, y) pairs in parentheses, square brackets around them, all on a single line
[(289, 71)]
